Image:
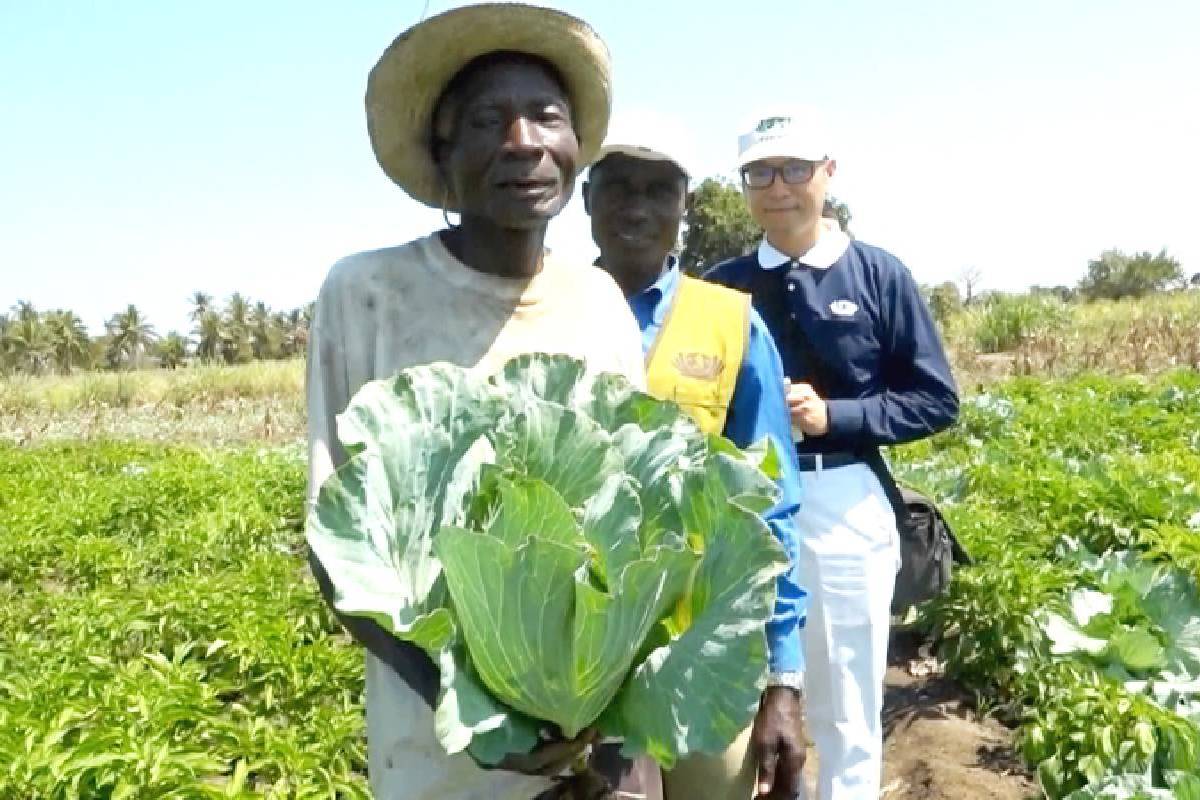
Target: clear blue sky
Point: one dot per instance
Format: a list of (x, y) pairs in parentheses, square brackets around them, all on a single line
[(149, 149)]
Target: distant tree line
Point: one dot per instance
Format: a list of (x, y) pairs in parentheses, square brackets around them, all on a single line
[(57, 341), (1113, 275), (717, 226)]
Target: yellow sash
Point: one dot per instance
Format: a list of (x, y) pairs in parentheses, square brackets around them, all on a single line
[(698, 353)]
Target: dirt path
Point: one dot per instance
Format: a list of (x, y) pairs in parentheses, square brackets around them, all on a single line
[(935, 746)]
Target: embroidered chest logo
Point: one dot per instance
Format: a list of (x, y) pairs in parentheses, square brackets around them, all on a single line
[(700, 366), (843, 308)]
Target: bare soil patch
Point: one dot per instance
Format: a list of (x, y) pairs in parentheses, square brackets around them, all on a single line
[(936, 745)]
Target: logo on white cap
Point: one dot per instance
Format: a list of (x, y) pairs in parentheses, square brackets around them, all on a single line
[(772, 122), (800, 134)]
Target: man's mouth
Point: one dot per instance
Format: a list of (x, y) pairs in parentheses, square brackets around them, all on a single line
[(633, 238), (527, 187)]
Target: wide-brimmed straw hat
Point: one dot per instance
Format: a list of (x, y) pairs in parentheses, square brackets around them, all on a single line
[(406, 83)]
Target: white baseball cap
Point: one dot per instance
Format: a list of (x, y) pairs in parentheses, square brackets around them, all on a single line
[(647, 137), (785, 133)]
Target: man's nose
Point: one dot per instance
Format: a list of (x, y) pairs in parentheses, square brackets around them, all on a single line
[(635, 209), (523, 135), (778, 189)]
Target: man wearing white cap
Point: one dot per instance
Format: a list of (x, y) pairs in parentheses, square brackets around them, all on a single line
[(869, 370), (708, 350)]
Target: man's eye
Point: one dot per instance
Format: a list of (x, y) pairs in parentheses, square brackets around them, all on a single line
[(551, 116), (485, 120)]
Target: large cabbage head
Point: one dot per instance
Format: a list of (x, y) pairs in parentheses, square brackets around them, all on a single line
[(566, 548)]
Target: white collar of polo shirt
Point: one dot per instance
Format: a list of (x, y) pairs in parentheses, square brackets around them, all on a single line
[(831, 245)]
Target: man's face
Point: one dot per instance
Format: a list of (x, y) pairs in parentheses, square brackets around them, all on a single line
[(784, 206), (510, 149), (636, 207)]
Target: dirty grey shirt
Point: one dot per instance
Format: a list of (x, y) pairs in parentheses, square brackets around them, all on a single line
[(382, 311)]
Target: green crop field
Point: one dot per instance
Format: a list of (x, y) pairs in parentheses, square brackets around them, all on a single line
[(1081, 503), (160, 635)]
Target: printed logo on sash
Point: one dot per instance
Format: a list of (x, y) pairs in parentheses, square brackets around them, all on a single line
[(843, 308), (700, 366)]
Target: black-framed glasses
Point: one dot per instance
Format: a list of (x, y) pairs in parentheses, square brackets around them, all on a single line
[(795, 172)]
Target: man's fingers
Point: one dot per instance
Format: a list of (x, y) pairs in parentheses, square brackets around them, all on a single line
[(803, 390), (553, 757), (767, 762), (789, 774)]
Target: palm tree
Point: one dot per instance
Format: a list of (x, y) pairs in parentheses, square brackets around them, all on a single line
[(25, 345), (201, 305), (210, 333), (172, 350), (5, 324), (68, 339), (263, 337), (293, 332), (129, 335), (237, 329)]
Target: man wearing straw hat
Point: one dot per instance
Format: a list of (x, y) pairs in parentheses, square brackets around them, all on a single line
[(488, 111)]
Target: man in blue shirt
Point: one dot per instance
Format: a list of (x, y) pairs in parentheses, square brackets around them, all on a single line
[(868, 370), (636, 197)]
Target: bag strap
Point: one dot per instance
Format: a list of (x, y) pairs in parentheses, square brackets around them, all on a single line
[(824, 382)]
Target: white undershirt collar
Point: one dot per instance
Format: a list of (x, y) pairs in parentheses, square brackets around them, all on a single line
[(831, 245)]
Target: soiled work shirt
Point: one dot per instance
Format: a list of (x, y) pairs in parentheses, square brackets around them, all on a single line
[(381, 312)]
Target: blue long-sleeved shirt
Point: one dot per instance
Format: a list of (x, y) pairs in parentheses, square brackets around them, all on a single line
[(758, 409), (883, 371)]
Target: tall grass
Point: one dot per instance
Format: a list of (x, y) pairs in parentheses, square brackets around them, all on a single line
[(1005, 336), (1006, 321), (203, 385), (1023, 335)]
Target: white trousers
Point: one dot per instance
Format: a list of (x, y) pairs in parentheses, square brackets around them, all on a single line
[(850, 552), (405, 761)]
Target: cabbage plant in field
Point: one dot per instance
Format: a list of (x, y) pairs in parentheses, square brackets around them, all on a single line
[(571, 552)]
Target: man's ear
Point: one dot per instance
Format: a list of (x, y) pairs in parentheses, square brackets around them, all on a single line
[(832, 167), (437, 149), (587, 198)]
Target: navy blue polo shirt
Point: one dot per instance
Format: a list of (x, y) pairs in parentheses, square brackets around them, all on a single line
[(882, 368)]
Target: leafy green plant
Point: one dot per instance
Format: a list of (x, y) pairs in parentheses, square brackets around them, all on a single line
[(159, 633), (569, 550), (1079, 502)]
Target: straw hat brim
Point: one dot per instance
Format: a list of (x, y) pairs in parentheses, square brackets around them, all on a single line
[(406, 83)]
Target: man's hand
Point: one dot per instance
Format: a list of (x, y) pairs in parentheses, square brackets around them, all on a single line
[(778, 743), (550, 758), (809, 412)]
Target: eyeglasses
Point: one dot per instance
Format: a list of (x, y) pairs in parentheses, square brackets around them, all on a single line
[(796, 172)]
